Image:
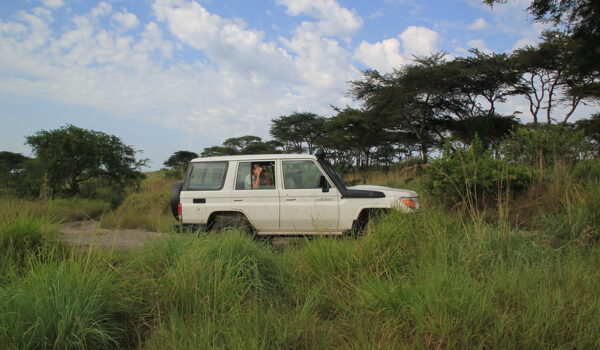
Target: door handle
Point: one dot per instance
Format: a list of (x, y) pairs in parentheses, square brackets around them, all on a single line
[(289, 199), (238, 199)]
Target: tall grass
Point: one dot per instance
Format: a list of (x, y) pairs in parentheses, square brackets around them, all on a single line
[(431, 280), (64, 209), (62, 305), (415, 281), (148, 209)]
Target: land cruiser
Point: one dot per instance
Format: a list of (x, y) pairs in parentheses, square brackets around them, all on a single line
[(296, 194)]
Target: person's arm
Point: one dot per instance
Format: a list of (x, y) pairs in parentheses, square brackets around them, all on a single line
[(256, 173)]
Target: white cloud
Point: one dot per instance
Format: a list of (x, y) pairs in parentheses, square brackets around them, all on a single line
[(102, 9), (419, 41), (479, 24), (126, 19), (393, 53), (335, 20), (384, 56), (477, 44), (480, 45), (53, 4), (235, 85)]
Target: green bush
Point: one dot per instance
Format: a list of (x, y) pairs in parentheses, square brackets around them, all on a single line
[(473, 177), (542, 145)]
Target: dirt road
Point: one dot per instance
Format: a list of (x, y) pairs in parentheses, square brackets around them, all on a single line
[(89, 233)]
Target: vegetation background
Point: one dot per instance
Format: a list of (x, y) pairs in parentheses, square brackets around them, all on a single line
[(504, 255)]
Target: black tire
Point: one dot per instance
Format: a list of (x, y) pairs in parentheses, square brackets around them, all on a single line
[(227, 222), (175, 197)]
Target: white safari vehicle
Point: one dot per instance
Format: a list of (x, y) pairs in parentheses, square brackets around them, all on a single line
[(294, 194)]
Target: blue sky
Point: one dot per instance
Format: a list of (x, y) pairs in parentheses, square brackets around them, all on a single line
[(168, 75)]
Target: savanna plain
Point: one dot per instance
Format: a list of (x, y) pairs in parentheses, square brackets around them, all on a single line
[(520, 272)]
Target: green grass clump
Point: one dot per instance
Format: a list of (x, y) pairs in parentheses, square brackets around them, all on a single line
[(22, 235), (70, 304), (576, 219), (218, 274)]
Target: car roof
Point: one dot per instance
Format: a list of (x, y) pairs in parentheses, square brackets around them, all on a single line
[(255, 157)]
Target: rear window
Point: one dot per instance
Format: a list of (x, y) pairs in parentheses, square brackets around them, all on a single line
[(207, 176)]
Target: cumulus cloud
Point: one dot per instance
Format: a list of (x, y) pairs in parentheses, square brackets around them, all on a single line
[(126, 20), (394, 52), (478, 24), (53, 4), (102, 9), (236, 83), (419, 41), (334, 19), (480, 45), (384, 56)]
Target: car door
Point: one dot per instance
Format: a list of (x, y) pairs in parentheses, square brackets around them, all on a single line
[(304, 206), (259, 203)]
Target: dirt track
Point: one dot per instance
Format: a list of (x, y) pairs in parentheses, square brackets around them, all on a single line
[(89, 233)]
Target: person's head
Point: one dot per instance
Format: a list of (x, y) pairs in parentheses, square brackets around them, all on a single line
[(257, 166)]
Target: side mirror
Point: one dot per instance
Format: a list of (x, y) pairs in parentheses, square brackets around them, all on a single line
[(324, 184)]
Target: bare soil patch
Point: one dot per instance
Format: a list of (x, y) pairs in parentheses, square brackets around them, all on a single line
[(89, 233)]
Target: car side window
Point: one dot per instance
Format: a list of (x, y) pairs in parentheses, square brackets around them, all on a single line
[(207, 176), (255, 176), (301, 174)]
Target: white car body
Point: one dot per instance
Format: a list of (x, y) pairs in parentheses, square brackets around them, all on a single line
[(277, 210)]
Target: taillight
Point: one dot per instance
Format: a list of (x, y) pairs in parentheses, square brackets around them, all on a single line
[(179, 211), (409, 203)]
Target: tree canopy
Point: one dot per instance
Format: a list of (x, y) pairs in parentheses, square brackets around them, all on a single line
[(70, 156), (180, 159)]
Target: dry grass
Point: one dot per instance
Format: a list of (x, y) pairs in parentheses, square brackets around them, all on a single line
[(147, 209)]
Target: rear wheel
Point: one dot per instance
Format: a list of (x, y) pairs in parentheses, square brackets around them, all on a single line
[(231, 222)]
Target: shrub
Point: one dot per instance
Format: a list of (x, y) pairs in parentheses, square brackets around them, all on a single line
[(544, 144), (472, 177)]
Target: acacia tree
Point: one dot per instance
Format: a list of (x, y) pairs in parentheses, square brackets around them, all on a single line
[(296, 130), (487, 78), (180, 159), (357, 131), (248, 144), (581, 20), (410, 99), (70, 156), (546, 80)]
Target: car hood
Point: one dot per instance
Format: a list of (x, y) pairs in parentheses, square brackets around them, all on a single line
[(388, 191)]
